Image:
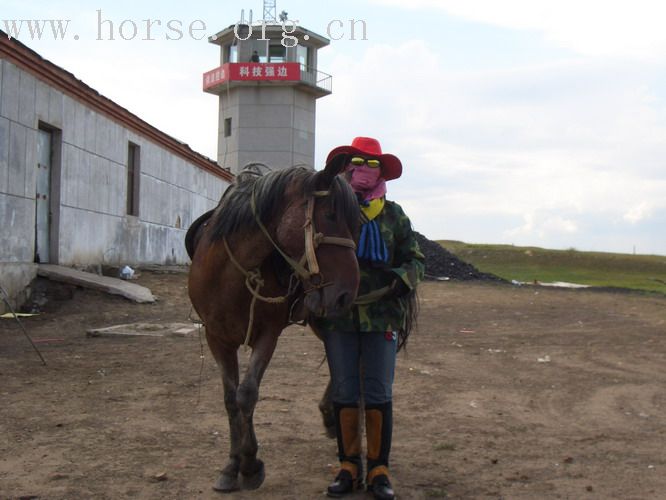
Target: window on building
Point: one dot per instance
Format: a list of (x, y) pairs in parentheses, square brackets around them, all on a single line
[(261, 47), (133, 176), (232, 53), (303, 55), (227, 127), (277, 53)]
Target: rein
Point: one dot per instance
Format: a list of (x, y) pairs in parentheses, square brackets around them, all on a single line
[(307, 269), (253, 282)]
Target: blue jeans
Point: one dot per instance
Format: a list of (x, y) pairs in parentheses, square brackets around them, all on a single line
[(361, 361)]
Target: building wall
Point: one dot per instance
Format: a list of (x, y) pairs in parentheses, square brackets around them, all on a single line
[(91, 184), (276, 126)]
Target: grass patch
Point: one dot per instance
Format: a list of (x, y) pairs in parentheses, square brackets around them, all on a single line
[(444, 447), (528, 264)]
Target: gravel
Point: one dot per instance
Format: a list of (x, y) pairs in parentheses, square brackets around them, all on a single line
[(442, 264)]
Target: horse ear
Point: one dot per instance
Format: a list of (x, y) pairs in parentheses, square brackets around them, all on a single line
[(335, 166)]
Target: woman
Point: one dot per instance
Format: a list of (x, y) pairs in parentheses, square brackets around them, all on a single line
[(361, 346)]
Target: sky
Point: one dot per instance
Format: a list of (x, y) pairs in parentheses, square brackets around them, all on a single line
[(526, 122)]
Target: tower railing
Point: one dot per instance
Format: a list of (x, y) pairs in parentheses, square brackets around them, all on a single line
[(316, 78)]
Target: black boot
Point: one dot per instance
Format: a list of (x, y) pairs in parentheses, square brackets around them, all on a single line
[(379, 430), (349, 452), (344, 484), (381, 488)]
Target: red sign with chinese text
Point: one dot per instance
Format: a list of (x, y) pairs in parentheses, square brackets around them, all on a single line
[(252, 72)]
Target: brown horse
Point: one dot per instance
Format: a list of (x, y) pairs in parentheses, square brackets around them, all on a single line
[(278, 247)]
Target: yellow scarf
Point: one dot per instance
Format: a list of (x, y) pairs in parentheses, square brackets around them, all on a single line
[(373, 209)]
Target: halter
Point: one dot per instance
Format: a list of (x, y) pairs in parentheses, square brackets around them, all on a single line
[(306, 269), (313, 240)]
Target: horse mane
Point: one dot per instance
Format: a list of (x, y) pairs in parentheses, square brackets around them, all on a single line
[(234, 211)]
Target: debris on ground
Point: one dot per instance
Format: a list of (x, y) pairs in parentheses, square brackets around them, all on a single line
[(17, 315), (145, 330), (126, 273)]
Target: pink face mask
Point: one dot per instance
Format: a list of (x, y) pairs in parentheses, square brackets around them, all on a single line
[(367, 181)]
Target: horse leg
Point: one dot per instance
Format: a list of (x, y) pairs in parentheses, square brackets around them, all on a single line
[(227, 360), (251, 468), (327, 411)]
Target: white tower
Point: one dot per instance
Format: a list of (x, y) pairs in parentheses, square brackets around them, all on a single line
[(268, 83)]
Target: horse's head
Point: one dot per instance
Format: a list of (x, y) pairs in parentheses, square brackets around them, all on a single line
[(321, 222)]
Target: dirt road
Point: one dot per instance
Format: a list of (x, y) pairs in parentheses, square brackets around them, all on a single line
[(504, 393)]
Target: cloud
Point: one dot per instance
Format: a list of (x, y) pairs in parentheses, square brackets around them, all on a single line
[(638, 213), (502, 155), (591, 27), (542, 225)]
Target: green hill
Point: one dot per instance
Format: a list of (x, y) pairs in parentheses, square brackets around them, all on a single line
[(529, 264)]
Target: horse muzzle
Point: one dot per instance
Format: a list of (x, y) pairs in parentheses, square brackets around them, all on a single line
[(328, 300)]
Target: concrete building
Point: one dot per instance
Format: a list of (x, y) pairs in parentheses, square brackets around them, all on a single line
[(267, 84), (85, 182)]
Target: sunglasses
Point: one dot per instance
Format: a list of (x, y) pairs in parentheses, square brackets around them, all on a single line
[(359, 160)]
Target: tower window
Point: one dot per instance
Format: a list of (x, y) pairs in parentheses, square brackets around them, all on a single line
[(303, 55), (232, 53), (227, 127), (277, 53)]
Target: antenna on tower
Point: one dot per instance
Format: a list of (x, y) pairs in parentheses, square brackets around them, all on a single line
[(270, 11)]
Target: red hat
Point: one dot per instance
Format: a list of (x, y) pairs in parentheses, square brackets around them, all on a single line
[(367, 146)]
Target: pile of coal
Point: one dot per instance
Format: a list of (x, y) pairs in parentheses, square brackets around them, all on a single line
[(441, 264)]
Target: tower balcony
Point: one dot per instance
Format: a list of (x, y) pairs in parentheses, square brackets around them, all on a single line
[(231, 75)]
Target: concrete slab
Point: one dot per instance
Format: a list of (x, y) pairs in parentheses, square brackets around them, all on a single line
[(9, 94), (4, 153), (27, 93), (55, 108), (145, 330), (15, 278), (42, 101), (114, 286), (17, 155)]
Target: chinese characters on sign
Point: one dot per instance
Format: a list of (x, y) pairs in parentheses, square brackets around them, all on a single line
[(251, 72)]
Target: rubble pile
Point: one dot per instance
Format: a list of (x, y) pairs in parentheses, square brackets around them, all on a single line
[(442, 264)]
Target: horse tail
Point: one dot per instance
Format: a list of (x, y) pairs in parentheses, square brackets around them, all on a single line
[(412, 303)]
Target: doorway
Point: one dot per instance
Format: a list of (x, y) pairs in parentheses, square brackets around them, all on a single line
[(46, 199)]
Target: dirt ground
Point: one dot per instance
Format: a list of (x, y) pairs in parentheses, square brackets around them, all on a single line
[(504, 392)]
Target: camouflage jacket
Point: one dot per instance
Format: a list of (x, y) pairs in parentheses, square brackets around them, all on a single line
[(406, 263)]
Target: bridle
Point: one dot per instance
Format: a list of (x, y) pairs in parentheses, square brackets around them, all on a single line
[(306, 269)]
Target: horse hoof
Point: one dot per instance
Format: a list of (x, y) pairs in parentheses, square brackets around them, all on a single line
[(254, 480), (226, 483)]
